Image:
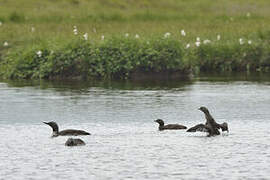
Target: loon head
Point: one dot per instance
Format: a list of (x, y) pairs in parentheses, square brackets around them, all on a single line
[(204, 109), (224, 127), (54, 127), (160, 122)]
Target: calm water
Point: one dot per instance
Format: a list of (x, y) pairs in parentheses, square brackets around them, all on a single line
[(125, 143)]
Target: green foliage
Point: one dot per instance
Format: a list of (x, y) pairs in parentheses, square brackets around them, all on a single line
[(119, 57), (113, 58), (232, 56)]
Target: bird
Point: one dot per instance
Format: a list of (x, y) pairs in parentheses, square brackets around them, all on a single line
[(66, 132), (169, 126), (211, 126), (74, 142)]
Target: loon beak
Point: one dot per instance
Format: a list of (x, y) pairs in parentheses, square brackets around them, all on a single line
[(45, 122)]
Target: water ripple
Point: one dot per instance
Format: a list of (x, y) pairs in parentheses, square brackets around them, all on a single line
[(125, 142)]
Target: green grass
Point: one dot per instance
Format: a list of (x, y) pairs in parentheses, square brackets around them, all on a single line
[(55, 19), (53, 22)]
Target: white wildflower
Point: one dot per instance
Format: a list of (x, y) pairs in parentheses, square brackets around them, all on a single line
[(241, 41), (249, 42), (5, 44), (167, 34), (51, 52), (39, 53), (206, 41), (126, 35), (85, 36), (137, 36), (218, 37), (33, 29), (248, 14), (147, 42), (75, 31), (187, 46), (1, 23), (197, 39), (197, 43), (183, 33), (231, 19), (102, 37)]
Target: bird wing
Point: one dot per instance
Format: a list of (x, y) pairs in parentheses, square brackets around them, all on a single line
[(223, 127), (199, 127)]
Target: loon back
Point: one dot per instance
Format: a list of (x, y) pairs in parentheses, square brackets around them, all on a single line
[(72, 132), (67, 132)]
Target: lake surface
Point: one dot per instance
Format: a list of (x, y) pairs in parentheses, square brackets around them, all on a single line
[(125, 142)]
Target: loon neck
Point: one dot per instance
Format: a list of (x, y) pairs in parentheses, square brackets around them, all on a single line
[(55, 134), (161, 127), (161, 124), (54, 127), (207, 113)]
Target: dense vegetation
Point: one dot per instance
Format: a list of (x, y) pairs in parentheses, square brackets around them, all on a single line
[(117, 39)]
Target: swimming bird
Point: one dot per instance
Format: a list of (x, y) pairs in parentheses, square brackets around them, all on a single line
[(66, 132), (211, 126), (74, 142), (169, 126)]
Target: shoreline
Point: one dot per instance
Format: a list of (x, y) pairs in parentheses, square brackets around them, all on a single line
[(130, 58)]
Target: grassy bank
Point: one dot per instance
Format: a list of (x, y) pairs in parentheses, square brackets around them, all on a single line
[(124, 58), (28, 27)]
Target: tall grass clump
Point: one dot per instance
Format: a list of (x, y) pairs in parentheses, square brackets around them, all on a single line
[(230, 57)]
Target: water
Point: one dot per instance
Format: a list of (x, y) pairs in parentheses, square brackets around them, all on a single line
[(125, 143)]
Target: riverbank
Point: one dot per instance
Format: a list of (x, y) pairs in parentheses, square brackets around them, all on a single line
[(133, 58), (127, 40)]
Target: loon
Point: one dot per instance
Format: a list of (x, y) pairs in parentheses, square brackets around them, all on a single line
[(169, 126), (66, 132), (74, 142), (211, 126)]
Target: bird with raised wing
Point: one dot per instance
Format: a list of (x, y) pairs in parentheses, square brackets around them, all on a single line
[(211, 126)]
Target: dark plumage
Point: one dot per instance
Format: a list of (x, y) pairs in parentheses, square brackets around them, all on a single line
[(211, 126), (67, 132), (169, 126), (74, 142)]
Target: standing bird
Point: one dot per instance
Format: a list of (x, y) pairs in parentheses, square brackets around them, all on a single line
[(169, 126), (211, 126), (66, 132)]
